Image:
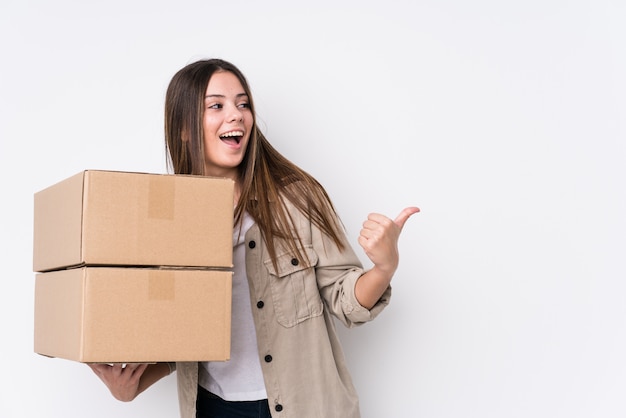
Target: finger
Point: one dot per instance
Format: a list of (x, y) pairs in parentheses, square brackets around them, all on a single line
[(367, 233), (364, 242), (139, 368), (117, 368), (377, 218), (405, 214), (373, 225), (98, 367), (133, 370)]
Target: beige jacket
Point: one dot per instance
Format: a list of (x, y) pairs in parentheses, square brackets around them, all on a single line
[(303, 364)]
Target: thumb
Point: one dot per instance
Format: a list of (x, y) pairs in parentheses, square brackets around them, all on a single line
[(405, 214)]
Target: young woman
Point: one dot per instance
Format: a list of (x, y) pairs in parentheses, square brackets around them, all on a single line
[(294, 269)]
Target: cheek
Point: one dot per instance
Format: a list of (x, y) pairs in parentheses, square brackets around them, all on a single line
[(248, 122), (210, 126)]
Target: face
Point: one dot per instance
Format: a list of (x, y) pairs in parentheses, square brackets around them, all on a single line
[(227, 123)]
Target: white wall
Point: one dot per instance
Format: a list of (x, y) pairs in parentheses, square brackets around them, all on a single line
[(503, 121)]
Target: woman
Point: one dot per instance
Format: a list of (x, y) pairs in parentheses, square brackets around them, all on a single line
[(294, 269)]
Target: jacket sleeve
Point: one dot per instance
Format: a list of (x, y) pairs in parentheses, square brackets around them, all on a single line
[(337, 272)]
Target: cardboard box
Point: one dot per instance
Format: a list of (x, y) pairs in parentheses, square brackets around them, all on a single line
[(118, 218), (126, 315)]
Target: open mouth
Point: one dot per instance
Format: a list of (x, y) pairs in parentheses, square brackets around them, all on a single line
[(233, 137)]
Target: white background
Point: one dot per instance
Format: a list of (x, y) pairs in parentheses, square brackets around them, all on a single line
[(503, 120)]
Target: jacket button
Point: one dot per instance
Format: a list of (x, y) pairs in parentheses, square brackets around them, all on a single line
[(260, 304), (294, 261), (268, 358), (252, 244), (278, 408)]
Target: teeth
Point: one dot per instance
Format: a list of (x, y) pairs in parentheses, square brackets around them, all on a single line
[(231, 134)]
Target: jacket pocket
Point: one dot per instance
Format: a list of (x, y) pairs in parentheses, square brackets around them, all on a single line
[(294, 289)]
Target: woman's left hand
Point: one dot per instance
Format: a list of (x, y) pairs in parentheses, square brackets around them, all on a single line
[(379, 239)]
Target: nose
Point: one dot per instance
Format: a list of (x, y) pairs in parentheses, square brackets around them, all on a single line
[(236, 115)]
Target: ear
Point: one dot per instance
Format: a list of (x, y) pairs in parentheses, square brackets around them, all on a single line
[(184, 135)]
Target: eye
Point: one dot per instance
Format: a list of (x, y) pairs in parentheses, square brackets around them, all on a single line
[(244, 105), (214, 106)]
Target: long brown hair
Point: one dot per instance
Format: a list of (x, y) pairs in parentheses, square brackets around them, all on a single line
[(267, 177)]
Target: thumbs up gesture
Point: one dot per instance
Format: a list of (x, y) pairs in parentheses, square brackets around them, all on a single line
[(379, 239)]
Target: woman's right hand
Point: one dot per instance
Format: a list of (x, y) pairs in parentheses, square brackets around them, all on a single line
[(121, 379)]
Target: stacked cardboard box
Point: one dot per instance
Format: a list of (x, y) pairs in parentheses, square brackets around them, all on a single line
[(133, 267)]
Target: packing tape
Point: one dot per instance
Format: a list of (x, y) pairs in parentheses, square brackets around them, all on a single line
[(161, 194)]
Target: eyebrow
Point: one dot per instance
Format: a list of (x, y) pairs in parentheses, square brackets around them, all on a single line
[(221, 96)]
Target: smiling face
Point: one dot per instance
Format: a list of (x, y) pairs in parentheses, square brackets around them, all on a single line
[(227, 123)]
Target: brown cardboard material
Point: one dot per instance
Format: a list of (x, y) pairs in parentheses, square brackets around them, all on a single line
[(135, 219), (127, 315)]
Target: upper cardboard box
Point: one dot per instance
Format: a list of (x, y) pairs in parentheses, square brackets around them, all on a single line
[(135, 219)]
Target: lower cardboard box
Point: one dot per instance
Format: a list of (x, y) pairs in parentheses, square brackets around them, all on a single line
[(130, 315)]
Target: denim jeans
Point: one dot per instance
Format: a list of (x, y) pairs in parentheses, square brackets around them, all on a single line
[(209, 405)]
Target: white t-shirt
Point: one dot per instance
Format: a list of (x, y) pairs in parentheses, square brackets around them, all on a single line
[(240, 378)]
